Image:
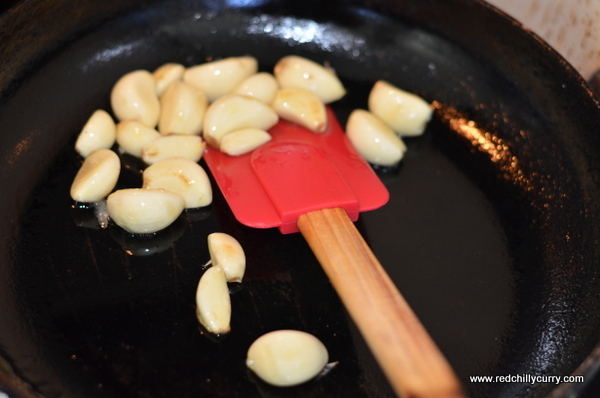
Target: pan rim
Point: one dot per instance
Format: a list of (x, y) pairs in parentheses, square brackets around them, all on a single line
[(589, 366)]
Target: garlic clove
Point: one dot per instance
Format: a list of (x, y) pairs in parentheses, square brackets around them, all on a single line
[(182, 109), (218, 78), (261, 86), (188, 146), (132, 136), (144, 210), (373, 139), (299, 72), (287, 357), (236, 112), (134, 97), (97, 176), (167, 74), (406, 113), (227, 253), (99, 132), (243, 141), (213, 303), (182, 176), (302, 107)]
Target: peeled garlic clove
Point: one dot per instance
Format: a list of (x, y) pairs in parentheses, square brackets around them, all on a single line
[(132, 136), (287, 357), (144, 210), (406, 113), (373, 139), (182, 176), (236, 112), (167, 74), (243, 141), (302, 107), (182, 109), (295, 71), (97, 176), (213, 304), (188, 146), (218, 78), (134, 97), (227, 253), (98, 133), (261, 86)]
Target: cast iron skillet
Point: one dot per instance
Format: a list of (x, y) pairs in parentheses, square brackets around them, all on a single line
[(491, 232)]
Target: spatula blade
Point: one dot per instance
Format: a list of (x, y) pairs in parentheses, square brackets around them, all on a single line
[(296, 172)]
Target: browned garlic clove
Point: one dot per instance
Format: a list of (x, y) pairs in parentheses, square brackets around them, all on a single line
[(227, 253), (99, 132), (236, 112), (182, 109), (132, 136), (134, 97), (97, 176), (182, 176), (406, 113), (167, 74), (373, 139), (302, 107), (261, 86), (144, 210), (295, 71), (218, 78), (213, 304), (287, 357), (188, 146), (243, 141)]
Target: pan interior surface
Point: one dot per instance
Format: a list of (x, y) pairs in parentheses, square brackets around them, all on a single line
[(489, 232)]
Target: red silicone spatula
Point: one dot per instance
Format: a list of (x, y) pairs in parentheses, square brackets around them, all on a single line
[(318, 184)]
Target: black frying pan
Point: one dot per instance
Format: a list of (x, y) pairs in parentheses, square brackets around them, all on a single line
[(491, 233)]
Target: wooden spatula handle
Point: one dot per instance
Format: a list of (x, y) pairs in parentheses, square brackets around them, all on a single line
[(408, 356)]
